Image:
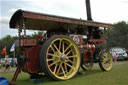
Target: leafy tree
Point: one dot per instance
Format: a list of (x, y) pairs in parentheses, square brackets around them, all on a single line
[(118, 35), (8, 42)]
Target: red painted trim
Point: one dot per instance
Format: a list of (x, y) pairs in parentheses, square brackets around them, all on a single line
[(64, 20), (98, 41)]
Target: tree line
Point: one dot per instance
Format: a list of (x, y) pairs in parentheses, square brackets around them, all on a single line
[(117, 37)]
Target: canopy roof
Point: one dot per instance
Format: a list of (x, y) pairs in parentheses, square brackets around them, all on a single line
[(40, 21)]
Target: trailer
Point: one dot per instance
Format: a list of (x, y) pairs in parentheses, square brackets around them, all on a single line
[(68, 44)]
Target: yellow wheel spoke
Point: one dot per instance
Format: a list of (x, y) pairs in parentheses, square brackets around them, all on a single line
[(59, 69), (52, 49), (63, 70), (68, 52), (60, 44), (53, 63), (74, 56), (104, 61), (50, 59), (69, 61), (65, 67), (67, 48), (56, 48), (70, 66), (55, 68), (84, 66), (103, 58), (53, 55), (63, 47)]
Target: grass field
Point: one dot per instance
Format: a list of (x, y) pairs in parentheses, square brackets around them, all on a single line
[(117, 76)]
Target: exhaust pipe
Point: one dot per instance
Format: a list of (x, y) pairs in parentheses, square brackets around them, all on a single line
[(88, 9)]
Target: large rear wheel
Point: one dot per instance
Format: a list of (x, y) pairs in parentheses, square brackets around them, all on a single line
[(60, 58), (105, 61)]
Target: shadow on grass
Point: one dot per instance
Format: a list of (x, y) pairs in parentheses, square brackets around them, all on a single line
[(48, 81), (89, 72)]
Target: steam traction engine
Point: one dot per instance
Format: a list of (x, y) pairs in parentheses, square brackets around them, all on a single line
[(67, 44)]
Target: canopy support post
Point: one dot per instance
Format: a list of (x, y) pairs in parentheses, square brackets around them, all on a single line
[(24, 28)]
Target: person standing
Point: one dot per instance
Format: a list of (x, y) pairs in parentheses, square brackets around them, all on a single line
[(115, 56), (7, 64), (0, 65)]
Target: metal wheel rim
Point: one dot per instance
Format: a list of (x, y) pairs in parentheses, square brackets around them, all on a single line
[(107, 61), (87, 66), (63, 58)]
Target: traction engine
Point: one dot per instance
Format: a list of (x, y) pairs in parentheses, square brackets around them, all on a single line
[(66, 44)]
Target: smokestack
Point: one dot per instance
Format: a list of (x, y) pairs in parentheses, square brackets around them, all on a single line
[(88, 9)]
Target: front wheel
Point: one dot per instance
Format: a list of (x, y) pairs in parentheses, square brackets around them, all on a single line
[(105, 60)]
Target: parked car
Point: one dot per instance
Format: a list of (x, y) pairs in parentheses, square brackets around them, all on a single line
[(120, 53), (2, 61), (13, 61)]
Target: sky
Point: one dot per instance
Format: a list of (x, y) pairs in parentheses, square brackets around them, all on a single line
[(107, 11)]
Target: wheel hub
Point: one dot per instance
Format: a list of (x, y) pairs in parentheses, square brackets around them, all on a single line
[(63, 57)]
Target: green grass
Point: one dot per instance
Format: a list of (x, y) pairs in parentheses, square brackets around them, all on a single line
[(117, 76)]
